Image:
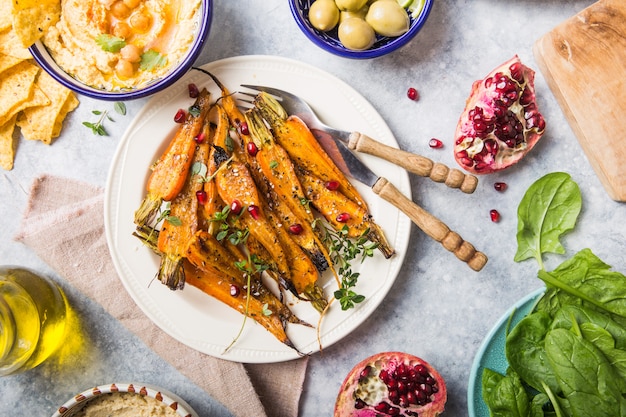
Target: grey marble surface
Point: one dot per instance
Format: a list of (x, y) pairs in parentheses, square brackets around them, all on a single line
[(437, 309)]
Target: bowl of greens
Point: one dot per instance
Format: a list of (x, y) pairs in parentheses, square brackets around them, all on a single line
[(560, 351)]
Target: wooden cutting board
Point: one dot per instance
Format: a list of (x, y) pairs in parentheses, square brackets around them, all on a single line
[(584, 63)]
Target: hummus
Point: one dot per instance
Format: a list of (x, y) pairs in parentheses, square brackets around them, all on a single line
[(122, 44), (125, 404)]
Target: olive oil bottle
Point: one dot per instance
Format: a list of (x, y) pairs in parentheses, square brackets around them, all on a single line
[(33, 312)]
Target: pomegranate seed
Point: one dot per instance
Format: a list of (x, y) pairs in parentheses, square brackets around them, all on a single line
[(193, 90), (252, 149), (236, 206), (243, 129), (343, 217), (435, 143), (201, 195), (254, 211), (500, 186), (295, 228), (180, 116), (495, 215), (200, 137), (412, 94), (332, 185), (234, 290)]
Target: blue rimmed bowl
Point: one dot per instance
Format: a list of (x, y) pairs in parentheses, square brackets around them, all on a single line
[(329, 41), (48, 64)]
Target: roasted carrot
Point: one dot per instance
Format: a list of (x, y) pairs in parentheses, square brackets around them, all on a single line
[(170, 170), (212, 269), (297, 139), (182, 222)]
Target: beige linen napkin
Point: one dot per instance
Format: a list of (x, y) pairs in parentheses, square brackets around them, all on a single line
[(63, 224)]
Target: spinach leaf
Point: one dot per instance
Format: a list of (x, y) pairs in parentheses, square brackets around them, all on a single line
[(587, 277), (526, 354), (505, 395), (564, 317), (604, 341), (549, 208), (585, 376)]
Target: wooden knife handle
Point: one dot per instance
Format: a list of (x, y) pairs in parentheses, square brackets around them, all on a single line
[(414, 163), (431, 225)]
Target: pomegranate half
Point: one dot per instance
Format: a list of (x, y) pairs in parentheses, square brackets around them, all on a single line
[(501, 122), (392, 384)]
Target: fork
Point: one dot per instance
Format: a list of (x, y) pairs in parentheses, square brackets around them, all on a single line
[(417, 164)]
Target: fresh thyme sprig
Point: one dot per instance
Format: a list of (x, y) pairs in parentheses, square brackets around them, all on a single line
[(97, 127), (343, 251)]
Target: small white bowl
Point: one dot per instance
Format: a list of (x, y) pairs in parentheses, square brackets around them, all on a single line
[(79, 401)]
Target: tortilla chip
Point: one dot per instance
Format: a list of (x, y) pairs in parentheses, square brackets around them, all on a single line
[(16, 87), (7, 61), (44, 122), (7, 144), (32, 18), (11, 45), (5, 14)]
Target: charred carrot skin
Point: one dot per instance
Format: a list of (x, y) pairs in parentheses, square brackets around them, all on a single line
[(170, 171)]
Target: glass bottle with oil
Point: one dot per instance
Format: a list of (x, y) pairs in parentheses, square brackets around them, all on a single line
[(33, 312)]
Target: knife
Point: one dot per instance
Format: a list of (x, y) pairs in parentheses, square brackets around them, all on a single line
[(350, 165)]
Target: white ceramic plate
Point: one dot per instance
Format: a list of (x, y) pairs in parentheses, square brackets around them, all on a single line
[(194, 318)]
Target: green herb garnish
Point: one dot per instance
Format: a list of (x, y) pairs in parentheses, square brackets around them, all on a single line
[(110, 43), (151, 59)]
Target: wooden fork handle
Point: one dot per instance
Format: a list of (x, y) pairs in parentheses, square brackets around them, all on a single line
[(431, 225), (414, 163)]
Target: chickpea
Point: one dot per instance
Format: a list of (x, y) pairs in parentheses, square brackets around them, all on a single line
[(131, 4), (124, 69), (356, 34), (122, 30), (119, 10), (324, 15), (350, 5), (130, 53), (388, 18), (141, 21)]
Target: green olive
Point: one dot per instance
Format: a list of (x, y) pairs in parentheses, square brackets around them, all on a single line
[(387, 18), (350, 5), (359, 14), (356, 34), (324, 15)]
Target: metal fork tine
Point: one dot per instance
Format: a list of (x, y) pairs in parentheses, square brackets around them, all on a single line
[(273, 91)]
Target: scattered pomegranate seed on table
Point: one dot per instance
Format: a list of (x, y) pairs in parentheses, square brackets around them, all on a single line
[(495, 215), (500, 186), (435, 143), (412, 94), (180, 116), (193, 90)]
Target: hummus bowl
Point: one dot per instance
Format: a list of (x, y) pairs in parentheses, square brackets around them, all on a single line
[(125, 399), (119, 50)]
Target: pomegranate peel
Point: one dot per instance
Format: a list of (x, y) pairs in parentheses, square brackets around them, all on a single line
[(392, 384), (501, 122)]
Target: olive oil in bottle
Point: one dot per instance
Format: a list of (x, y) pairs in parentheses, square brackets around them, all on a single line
[(33, 314)]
